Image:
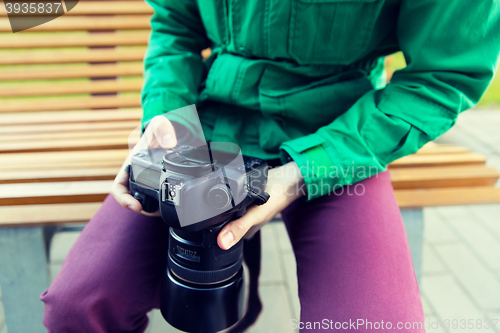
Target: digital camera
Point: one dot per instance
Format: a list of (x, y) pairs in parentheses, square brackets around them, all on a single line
[(198, 190)]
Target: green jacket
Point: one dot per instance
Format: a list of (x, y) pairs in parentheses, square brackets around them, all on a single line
[(304, 78)]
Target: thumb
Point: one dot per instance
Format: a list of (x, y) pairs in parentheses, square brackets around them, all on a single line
[(235, 230), (164, 132)]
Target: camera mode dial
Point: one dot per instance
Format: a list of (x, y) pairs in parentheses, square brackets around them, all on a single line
[(219, 196)]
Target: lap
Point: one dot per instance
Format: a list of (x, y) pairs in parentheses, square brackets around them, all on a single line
[(353, 262)]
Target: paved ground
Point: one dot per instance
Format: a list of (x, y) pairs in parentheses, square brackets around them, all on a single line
[(461, 260)]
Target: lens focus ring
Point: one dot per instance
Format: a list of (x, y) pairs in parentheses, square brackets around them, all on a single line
[(204, 277)]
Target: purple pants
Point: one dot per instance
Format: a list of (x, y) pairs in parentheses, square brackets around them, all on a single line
[(353, 266)]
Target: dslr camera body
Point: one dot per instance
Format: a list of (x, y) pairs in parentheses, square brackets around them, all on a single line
[(198, 190)]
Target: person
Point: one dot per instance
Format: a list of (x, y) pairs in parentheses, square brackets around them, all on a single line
[(300, 83)]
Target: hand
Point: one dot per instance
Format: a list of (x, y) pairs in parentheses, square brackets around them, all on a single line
[(159, 133), (284, 184)]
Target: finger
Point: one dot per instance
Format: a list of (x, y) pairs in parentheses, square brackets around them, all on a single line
[(235, 230), (147, 138), (121, 193), (164, 132), (144, 141), (124, 198), (155, 214)]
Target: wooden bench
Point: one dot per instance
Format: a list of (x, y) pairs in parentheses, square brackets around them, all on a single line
[(69, 99)]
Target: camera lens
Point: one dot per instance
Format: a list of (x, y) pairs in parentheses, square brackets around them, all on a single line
[(219, 197)]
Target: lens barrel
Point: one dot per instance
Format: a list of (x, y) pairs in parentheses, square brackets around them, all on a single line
[(201, 308), (203, 286)]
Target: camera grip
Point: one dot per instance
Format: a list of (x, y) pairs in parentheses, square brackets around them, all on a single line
[(149, 203)]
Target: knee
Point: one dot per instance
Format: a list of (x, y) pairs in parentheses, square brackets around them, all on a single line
[(74, 307), (90, 306), (59, 313), (66, 311)]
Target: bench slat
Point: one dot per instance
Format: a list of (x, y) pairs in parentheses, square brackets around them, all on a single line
[(445, 149), (72, 88), (71, 159), (89, 128), (86, 163), (438, 160), (111, 8), (68, 104), (67, 57), (56, 145), (116, 142), (72, 72), (66, 135), (68, 159), (58, 175), (453, 176), (104, 8), (78, 23), (408, 178), (68, 141), (47, 193), (95, 191), (81, 212), (47, 214), (33, 118), (67, 40), (447, 196)]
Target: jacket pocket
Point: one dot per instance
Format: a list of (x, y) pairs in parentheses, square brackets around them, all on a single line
[(331, 31)]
